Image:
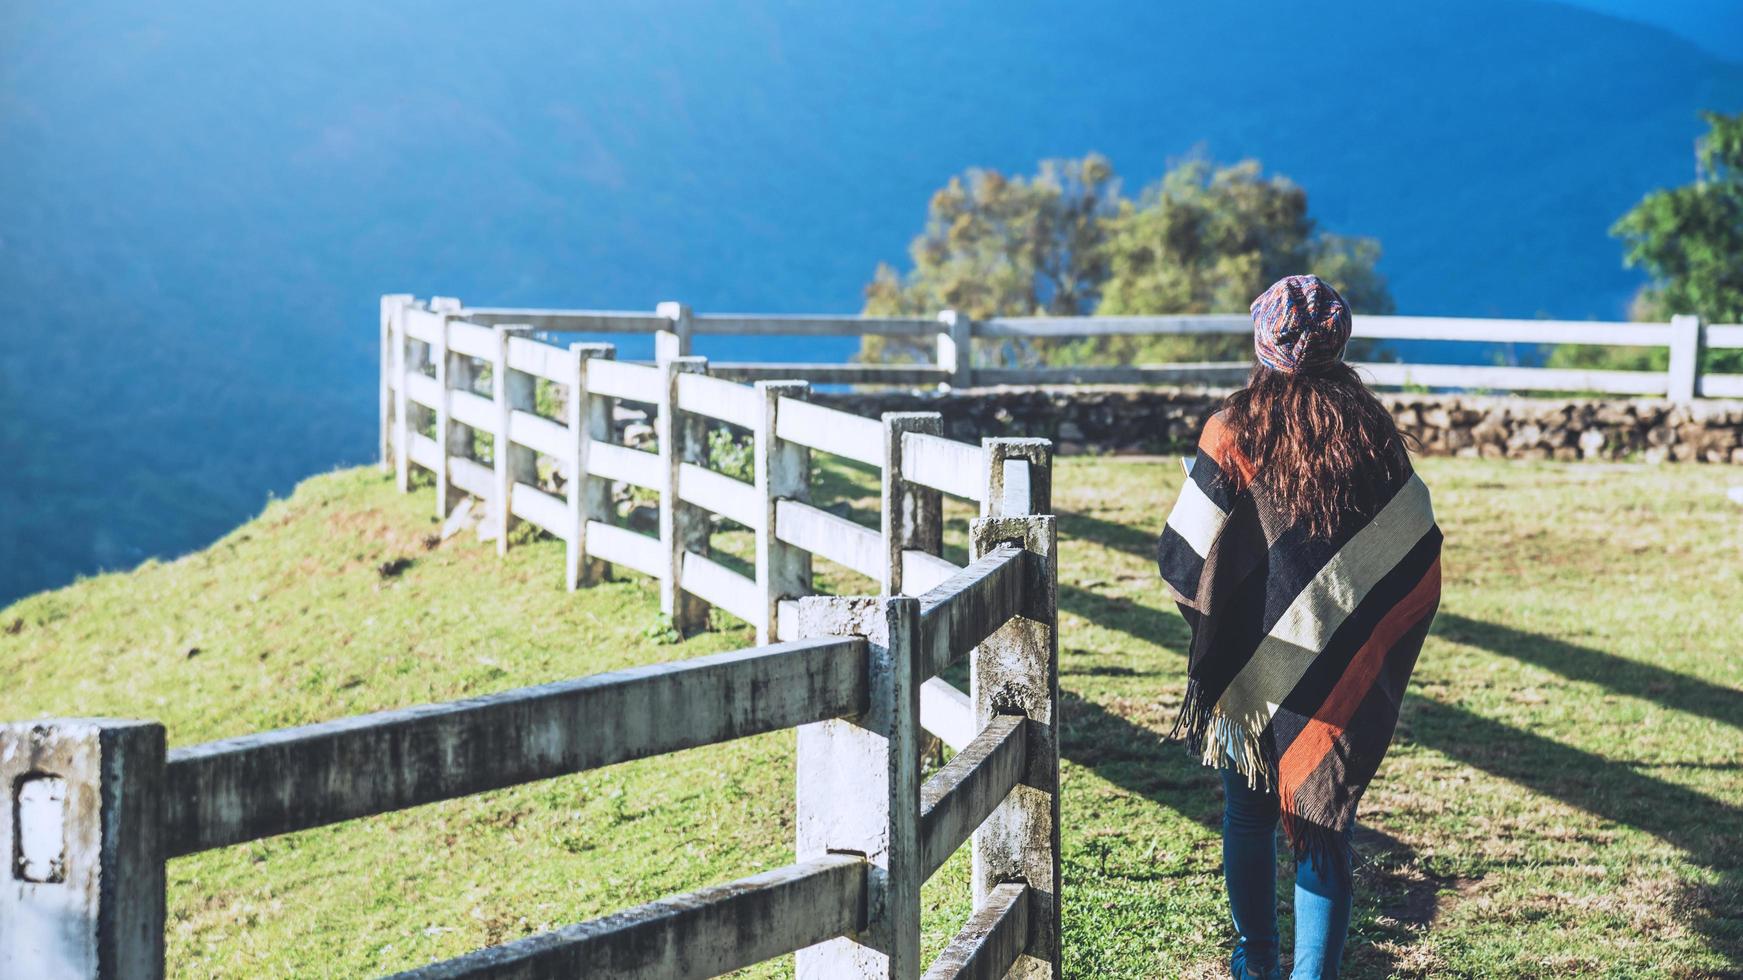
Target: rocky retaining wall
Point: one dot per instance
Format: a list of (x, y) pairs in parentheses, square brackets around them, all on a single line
[(1128, 420)]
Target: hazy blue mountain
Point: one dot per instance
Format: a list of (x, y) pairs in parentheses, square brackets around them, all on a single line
[(1716, 25), (199, 202)]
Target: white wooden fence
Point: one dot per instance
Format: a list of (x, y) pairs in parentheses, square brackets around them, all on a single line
[(97, 806), (951, 336), (434, 352)]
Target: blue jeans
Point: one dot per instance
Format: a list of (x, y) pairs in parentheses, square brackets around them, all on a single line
[(1322, 894)]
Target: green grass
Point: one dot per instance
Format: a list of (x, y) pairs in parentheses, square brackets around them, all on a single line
[(1564, 797)]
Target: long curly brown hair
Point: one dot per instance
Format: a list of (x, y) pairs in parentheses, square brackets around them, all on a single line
[(1321, 445)]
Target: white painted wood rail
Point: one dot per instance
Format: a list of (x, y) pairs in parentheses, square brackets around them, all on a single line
[(953, 334), (849, 436), (944, 464)]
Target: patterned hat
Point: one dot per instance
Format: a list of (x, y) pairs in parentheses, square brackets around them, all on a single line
[(1300, 324)]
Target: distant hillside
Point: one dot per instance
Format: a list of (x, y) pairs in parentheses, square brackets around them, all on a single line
[(1716, 26), (203, 200)]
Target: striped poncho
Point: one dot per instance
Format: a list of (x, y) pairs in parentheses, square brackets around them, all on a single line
[(1301, 647)]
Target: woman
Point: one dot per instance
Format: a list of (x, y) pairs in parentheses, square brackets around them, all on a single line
[(1304, 554)]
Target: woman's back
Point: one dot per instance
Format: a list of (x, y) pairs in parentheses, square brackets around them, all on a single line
[(1304, 553)]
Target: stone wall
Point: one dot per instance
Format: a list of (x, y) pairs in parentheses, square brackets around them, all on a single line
[(1131, 420)]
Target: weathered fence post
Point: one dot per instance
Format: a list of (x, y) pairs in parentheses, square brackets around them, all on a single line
[(683, 526), (390, 306), (1016, 670), (858, 788), (452, 370), (1687, 335), (511, 391), (913, 515), (782, 471), (956, 349), (82, 825), (589, 420), (401, 421), (1019, 477), (444, 414), (672, 341)]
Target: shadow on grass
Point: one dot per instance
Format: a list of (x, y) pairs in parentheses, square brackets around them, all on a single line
[(1708, 831), (1678, 692), (1109, 534), (1141, 622), (1391, 903), (1135, 758), (836, 478)]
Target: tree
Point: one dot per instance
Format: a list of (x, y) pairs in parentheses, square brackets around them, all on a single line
[(1207, 240), (1689, 240), (1003, 246), (1202, 240)]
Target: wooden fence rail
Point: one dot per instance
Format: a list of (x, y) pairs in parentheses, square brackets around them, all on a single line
[(97, 806), (242, 789), (952, 335)]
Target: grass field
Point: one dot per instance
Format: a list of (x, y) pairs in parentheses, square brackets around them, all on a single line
[(1564, 796)]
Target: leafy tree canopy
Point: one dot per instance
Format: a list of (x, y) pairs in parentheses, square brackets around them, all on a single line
[(1689, 241), (997, 245), (1207, 239), (1204, 239)]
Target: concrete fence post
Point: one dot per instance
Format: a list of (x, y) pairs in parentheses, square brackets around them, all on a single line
[(444, 364), (858, 788), (390, 305), (1016, 671), (683, 527), (672, 341), (1019, 477), (589, 497), (956, 349), (82, 825), (461, 440), (401, 419), (437, 356), (1687, 337), (782, 471), (510, 391), (913, 515)]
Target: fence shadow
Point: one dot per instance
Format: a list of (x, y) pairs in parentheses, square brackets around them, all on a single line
[(1390, 902), (1133, 541), (1135, 758), (1676, 691), (1709, 831), (1394, 885), (1129, 616)]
